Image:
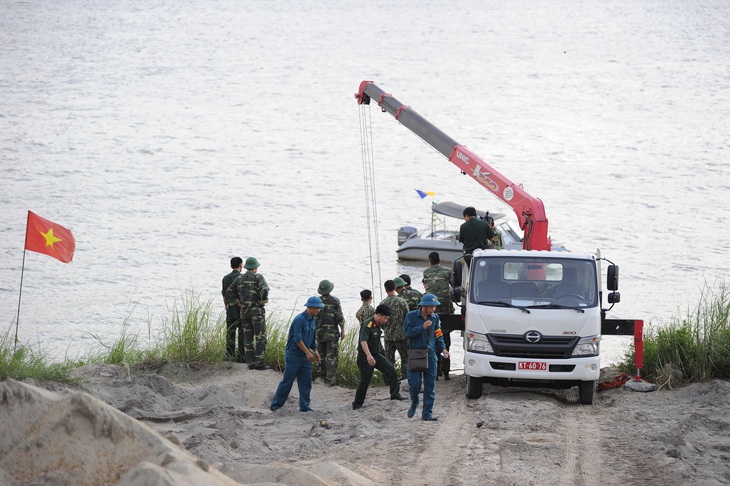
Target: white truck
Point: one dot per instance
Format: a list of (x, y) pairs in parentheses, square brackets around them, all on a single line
[(529, 317), (534, 318)]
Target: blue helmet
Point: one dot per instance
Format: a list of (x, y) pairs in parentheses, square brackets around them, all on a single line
[(429, 299), (314, 301)]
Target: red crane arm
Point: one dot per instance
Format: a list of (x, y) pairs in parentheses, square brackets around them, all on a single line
[(530, 210)]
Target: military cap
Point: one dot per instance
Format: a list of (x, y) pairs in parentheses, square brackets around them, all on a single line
[(251, 263), (325, 287), (399, 282)]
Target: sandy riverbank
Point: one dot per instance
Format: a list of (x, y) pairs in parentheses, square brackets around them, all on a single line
[(510, 436)]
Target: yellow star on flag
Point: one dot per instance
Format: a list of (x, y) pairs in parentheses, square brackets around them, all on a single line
[(50, 238)]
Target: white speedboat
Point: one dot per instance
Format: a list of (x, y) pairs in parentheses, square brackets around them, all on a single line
[(416, 245)]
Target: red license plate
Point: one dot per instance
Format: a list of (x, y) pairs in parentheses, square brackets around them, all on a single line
[(532, 365)]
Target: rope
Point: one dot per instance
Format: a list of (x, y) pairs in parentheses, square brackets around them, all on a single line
[(368, 170)]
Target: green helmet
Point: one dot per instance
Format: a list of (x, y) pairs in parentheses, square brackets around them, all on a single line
[(251, 263), (325, 287), (399, 282)]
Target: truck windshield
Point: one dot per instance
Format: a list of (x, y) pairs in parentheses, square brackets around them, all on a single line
[(534, 282)]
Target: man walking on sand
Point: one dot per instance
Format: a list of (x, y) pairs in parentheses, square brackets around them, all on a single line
[(301, 351), (370, 357), (423, 329)]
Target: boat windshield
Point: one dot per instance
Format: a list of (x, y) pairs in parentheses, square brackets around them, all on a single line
[(534, 282)]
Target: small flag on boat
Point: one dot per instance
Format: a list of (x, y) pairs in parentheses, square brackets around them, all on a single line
[(49, 238), (426, 193)]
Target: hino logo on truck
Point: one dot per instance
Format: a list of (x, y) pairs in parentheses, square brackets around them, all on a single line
[(533, 337)]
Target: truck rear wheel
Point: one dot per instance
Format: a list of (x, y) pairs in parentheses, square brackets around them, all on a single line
[(586, 392), (473, 387)]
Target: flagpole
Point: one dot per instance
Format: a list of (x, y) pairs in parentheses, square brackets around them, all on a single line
[(20, 293)]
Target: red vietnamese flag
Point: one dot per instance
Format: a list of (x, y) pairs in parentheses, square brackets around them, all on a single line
[(49, 238)]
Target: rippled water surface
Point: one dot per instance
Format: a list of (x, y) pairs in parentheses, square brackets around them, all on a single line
[(170, 136)]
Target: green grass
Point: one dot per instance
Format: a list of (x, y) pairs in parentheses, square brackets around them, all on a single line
[(22, 361), (193, 335), (695, 348)]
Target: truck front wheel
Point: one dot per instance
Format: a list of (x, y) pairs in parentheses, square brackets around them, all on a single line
[(473, 387), (586, 392)]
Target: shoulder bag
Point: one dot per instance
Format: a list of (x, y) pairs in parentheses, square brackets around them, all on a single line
[(418, 357)]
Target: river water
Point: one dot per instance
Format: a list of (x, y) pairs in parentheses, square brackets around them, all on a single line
[(171, 135)]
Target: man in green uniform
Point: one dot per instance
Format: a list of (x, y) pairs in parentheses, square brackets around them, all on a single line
[(250, 293), (395, 338), (233, 316), (474, 233), (330, 329), (370, 357), (437, 281), (409, 294)]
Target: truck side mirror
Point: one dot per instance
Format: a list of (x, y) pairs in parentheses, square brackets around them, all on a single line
[(612, 277), (457, 272), (614, 297)]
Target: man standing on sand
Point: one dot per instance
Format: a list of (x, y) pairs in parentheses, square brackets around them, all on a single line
[(301, 351), (250, 293), (233, 316), (437, 280), (395, 340), (423, 329), (409, 294), (330, 329), (474, 233), (370, 357)]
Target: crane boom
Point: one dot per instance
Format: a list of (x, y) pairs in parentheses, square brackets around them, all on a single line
[(530, 210)]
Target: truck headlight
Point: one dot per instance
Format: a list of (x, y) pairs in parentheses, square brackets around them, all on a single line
[(478, 343), (588, 346)]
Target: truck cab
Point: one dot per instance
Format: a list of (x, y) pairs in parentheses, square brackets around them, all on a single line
[(533, 318)]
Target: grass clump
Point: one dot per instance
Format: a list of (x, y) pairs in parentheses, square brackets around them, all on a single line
[(194, 334), (22, 362), (692, 349)]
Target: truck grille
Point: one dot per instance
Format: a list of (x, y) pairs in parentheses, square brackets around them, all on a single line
[(516, 346)]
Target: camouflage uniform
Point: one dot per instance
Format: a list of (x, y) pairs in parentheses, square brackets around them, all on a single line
[(329, 322), (436, 280), (498, 241), (412, 297), (395, 337), (250, 292), (365, 312)]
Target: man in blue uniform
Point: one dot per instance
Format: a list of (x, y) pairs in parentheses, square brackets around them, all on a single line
[(423, 329), (301, 350)]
